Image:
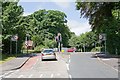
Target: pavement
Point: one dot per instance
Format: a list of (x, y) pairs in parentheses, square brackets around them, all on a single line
[(13, 64), (109, 60)]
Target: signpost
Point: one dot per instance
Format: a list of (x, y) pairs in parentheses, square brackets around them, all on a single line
[(102, 37), (14, 38), (27, 35)]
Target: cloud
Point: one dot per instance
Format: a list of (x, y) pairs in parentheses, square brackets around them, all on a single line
[(78, 27), (47, 0), (62, 3), (27, 13)]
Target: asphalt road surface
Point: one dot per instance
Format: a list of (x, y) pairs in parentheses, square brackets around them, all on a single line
[(35, 68), (85, 66), (74, 65)]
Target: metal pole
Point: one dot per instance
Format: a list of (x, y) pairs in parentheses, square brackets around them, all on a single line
[(10, 46), (95, 44), (84, 48), (59, 47), (16, 48), (27, 42), (27, 45), (105, 46)]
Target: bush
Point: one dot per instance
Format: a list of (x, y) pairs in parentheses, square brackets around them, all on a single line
[(96, 49), (39, 48)]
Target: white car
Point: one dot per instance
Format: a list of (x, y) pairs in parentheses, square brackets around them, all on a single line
[(48, 54)]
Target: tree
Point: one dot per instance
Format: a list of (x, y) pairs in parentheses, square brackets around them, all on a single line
[(11, 18), (87, 40), (46, 24), (103, 19)]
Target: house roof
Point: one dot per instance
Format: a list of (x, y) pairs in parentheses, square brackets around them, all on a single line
[(29, 43)]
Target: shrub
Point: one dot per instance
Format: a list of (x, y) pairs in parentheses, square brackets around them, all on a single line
[(96, 49), (39, 48)]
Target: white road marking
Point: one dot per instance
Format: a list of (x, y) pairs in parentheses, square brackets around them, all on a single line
[(67, 66), (69, 60), (70, 76), (31, 67), (20, 76), (8, 73), (30, 76), (7, 76), (51, 75), (17, 70), (69, 56), (105, 59), (41, 75), (1, 76)]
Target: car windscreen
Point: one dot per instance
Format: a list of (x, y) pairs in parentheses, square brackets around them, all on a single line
[(48, 51)]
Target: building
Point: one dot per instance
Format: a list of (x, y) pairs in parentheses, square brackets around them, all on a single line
[(29, 44)]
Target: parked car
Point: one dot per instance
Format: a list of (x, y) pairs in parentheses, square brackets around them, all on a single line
[(48, 54), (71, 49)]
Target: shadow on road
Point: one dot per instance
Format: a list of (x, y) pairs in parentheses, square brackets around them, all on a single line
[(103, 55), (27, 55), (50, 60)]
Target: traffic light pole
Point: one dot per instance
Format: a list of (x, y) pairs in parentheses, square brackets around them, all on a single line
[(59, 47)]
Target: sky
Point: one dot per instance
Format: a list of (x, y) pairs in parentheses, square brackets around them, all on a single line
[(76, 24)]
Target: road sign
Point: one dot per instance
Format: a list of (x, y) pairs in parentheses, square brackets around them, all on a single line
[(102, 37), (14, 38)]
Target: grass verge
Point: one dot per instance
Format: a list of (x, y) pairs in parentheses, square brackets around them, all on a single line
[(5, 57)]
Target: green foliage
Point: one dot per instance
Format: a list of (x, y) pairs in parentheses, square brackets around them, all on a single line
[(73, 41), (11, 20), (39, 48), (44, 25), (88, 40), (49, 43), (96, 49), (37, 40), (104, 17)]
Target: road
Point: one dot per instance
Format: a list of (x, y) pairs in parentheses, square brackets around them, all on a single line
[(85, 66), (74, 65), (35, 68)]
